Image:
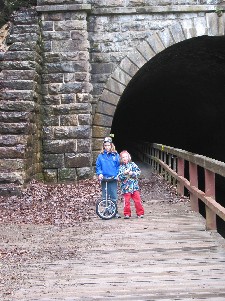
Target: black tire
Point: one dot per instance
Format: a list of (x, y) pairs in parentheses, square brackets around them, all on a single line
[(106, 212)]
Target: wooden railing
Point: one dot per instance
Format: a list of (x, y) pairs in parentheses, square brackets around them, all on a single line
[(173, 163)]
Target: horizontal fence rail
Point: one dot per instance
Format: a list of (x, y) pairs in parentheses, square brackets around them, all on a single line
[(172, 164)]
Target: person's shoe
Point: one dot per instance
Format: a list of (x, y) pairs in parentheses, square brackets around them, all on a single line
[(126, 216), (117, 215), (140, 216)]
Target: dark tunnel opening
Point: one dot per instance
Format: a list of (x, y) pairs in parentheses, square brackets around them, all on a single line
[(177, 99)]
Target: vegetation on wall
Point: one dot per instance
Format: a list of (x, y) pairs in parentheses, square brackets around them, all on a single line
[(8, 6)]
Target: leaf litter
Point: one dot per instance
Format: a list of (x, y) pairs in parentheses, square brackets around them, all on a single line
[(56, 208)]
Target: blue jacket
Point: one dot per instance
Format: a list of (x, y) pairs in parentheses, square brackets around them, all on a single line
[(108, 164)]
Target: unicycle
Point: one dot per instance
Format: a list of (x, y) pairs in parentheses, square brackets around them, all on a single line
[(106, 209)]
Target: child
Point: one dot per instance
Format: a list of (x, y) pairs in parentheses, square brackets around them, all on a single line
[(107, 165), (128, 176)]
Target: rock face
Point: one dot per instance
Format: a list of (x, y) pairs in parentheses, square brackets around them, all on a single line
[(55, 61)]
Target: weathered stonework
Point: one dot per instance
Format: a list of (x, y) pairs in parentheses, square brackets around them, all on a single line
[(20, 105), (63, 69)]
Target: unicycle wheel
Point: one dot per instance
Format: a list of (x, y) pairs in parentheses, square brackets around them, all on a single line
[(106, 209)]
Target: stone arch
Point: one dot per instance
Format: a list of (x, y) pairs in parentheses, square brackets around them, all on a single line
[(211, 24)]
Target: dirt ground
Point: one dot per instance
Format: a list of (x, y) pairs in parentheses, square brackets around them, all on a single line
[(51, 223)]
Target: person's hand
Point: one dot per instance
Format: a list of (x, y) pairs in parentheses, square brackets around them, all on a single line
[(130, 173), (100, 177)]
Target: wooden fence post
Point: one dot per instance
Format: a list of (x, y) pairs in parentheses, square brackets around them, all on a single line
[(193, 174), (180, 172), (210, 191)]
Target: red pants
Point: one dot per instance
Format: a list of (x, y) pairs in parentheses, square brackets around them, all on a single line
[(137, 203)]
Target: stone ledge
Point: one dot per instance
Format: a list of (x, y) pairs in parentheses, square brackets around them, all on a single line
[(158, 9), (65, 7)]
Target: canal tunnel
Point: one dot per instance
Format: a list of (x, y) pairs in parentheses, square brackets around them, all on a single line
[(177, 99)]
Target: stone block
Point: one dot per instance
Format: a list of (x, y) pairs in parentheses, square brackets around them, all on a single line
[(103, 120), (137, 58), (66, 67), (69, 46), (100, 132), (51, 120), (68, 109), (76, 56), (121, 76), (47, 46), (113, 86), (19, 65), (19, 85), (18, 95), (76, 87), (105, 108), (110, 97), (17, 106), (25, 46), (67, 174), (13, 152), (84, 97), (53, 160), (166, 38), (12, 164), (12, 177), (59, 146), (83, 146), (155, 43), (55, 35), (69, 25), (77, 160), (129, 67), (69, 120), (8, 190), (84, 173), (15, 128), (79, 35), (19, 74), (48, 132), (68, 98), (50, 175), (201, 26), (47, 25), (21, 56), (51, 99), (84, 119), (52, 78), (101, 68), (99, 78), (11, 117), (100, 57), (177, 32), (25, 16), (13, 140), (23, 37), (72, 132), (21, 29)]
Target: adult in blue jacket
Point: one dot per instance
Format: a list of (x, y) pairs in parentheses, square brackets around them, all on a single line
[(107, 166)]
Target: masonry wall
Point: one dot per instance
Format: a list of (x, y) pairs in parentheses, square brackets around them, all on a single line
[(20, 100), (66, 95)]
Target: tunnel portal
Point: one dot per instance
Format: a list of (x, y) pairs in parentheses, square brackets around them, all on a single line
[(177, 99)]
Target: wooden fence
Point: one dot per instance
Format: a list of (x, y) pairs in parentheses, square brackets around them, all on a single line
[(182, 169)]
